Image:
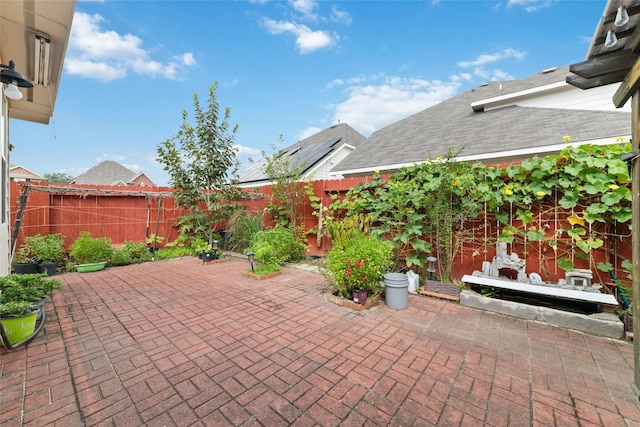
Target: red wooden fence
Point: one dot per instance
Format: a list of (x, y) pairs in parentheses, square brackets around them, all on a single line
[(126, 213)]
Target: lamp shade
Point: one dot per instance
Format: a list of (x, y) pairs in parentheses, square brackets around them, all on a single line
[(12, 92), (10, 76)]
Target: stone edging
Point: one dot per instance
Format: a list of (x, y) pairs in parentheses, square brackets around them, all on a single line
[(371, 301), (261, 276), (213, 261)]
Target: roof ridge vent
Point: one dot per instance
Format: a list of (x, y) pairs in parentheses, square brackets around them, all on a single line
[(548, 70)]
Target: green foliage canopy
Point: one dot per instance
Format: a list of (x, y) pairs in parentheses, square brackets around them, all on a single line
[(202, 165)]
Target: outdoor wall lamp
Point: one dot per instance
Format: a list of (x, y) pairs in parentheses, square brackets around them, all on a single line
[(13, 80), (251, 257), (431, 266)]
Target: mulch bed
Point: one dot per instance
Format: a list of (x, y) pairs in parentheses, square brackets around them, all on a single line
[(440, 290)]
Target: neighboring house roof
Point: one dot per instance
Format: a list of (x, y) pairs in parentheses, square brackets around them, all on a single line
[(20, 172), (107, 173), (493, 123), (309, 152)]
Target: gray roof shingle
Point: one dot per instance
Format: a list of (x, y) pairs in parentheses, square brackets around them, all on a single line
[(453, 125), (310, 151), (106, 173)]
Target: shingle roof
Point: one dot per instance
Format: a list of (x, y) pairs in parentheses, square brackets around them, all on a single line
[(310, 151), (106, 173), (452, 124)]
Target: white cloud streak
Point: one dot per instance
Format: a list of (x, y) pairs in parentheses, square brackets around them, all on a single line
[(531, 5), (106, 55), (371, 106), (307, 40), (376, 100), (479, 64)]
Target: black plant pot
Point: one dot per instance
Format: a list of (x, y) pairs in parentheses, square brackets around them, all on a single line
[(51, 268), (26, 268), (207, 256)]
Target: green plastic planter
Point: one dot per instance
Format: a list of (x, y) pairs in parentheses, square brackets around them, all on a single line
[(20, 328), (86, 268)]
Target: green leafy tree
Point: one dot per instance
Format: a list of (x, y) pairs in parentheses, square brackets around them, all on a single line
[(203, 167), (59, 177), (285, 173)]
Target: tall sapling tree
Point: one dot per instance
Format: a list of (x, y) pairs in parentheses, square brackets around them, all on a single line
[(203, 167)]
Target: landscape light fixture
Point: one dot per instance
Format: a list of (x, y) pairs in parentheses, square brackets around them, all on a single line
[(13, 80), (215, 249), (630, 159), (431, 266), (622, 17), (251, 257)]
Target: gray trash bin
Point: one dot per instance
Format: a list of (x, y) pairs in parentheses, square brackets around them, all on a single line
[(396, 290)]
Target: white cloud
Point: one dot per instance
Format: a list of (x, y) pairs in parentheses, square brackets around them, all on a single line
[(243, 150), (306, 8), (488, 58), (115, 157), (338, 15), (306, 133), (106, 55), (531, 5), (74, 171), (132, 167), (478, 64), (372, 106), (151, 157), (231, 83), (307, 40)]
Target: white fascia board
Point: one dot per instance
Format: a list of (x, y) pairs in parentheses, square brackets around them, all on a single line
[(255, 184), (497, 155), (480, 105), (313, 170)]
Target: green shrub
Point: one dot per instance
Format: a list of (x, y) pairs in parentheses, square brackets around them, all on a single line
[(275, 246), (360, 262), (129, 253), (26, 287), (86, 249), (242, 227), (45, 248), (173, 252), (14, 309)]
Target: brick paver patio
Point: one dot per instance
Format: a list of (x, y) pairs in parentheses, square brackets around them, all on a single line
[(176, 343)]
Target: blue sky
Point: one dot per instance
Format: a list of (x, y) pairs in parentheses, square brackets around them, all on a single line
[(289, 68)]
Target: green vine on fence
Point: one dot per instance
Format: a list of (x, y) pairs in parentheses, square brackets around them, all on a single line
[(423, 209)]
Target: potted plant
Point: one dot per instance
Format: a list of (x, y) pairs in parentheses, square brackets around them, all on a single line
[(33, 288), (154, 242), (48, 250), (23, 261), (205, 251), (355, 267), (89, 253), (18, 319)]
